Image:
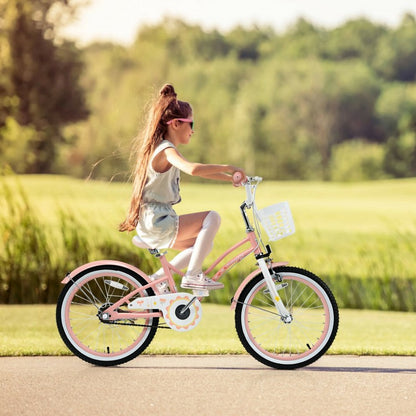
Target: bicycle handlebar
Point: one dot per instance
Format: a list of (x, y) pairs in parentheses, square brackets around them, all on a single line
[(250, 183), (248, 180), (256, 179)]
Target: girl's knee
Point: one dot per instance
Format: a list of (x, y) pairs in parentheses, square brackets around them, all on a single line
[(212, 219)]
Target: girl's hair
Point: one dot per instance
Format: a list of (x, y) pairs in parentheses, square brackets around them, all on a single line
[(165, 108)]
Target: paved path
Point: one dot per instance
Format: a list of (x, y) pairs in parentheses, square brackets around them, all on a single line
[(207, 385)]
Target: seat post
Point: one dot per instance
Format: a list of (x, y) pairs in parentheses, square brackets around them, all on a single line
[(154, 252), (166, 266)]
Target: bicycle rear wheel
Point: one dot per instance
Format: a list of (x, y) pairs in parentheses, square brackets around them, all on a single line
[(90, 337), (287, 345)]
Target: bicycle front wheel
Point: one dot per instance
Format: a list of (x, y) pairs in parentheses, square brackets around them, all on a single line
[(88, 336), (287, 345)]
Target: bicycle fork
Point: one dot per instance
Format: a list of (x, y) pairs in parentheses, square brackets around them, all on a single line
[(285, 315)]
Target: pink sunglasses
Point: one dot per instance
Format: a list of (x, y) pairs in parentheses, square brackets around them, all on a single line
[(185, 120)]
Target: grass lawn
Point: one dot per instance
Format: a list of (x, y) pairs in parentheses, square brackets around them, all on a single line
[(31, 330)]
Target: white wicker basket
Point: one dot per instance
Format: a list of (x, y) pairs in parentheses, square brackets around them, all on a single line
[(277, 220)]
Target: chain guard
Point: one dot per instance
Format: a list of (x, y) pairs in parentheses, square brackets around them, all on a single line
[(172, 305), (179, 321)]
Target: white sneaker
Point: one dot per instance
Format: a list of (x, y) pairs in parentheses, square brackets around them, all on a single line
[(200, 281)]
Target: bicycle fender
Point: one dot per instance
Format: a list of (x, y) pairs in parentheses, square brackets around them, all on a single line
[(92, 264), (248, 278)]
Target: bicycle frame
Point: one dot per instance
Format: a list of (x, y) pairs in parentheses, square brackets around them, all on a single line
[(169, 270)]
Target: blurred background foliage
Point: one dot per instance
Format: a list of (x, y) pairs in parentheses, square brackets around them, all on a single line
[(309, 103)]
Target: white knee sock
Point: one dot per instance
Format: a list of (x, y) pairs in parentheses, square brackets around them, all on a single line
[(204, 243), (180, 261)]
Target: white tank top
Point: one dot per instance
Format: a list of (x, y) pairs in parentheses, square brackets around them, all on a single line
[(162, 187)]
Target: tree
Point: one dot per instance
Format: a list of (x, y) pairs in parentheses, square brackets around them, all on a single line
[(43, 78), (179, 42), (303, 39), (313, 105), (396, 111), (247, 43), (286, 105), (396, 54), (355, 39), (396, 108)]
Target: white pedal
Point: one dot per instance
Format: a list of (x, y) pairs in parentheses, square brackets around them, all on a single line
[(200, 292)]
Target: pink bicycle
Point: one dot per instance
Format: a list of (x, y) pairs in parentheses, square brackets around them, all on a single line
[(286, 317)]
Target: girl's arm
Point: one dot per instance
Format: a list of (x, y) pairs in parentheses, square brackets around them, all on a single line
[(209, 171)]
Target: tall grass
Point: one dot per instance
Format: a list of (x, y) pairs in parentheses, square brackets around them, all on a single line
[(34, 258), (368, 262), (26, 266)]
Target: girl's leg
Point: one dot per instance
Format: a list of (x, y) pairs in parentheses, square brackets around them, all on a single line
[(189, 227), (180, 261), (204, 242), (198, 229)]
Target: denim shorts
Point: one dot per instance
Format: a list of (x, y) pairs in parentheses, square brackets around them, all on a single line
[(158, 225)]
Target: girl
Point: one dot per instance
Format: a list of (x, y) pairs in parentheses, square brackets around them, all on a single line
[(156, 189)]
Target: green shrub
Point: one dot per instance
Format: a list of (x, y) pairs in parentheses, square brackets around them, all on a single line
[(357, 160)]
